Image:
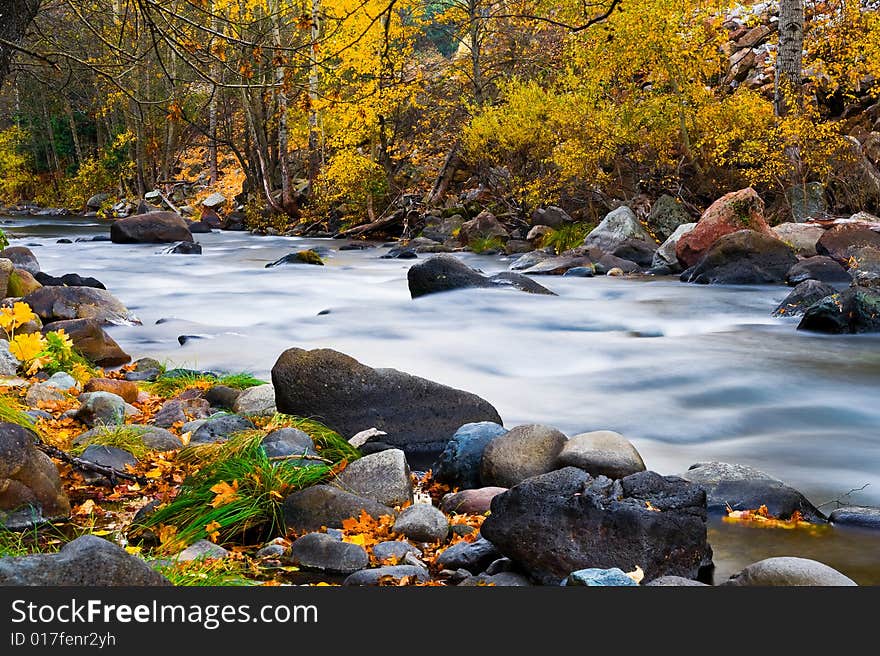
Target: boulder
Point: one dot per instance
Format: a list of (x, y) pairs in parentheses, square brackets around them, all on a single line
[(601, 453), (740, 487), (604, 262), (126, 389), (21, 283), (470, 502), (22, 258), (418, 415), (42, 393), (101, 408), (150, 228), (256, 401), (195, 228), (443, 273), (667, 215), (557, 266), (521, 453), (483, 226), (324, 505), (86, 561), (802, 297), (551, 216), (665, 256), (184, 247), (475, 556), (63, 303), (852, 311), (738, 210), (202, 550), (91, 341), (529, 260), (157, 439), (744, 257), (422, 522), (383, 477), (788, 571), (864, 266), (30, 488), (459, 463), (214, 200), (180, 411), (106, 456), (220, 429), (6, 270), (566, 520), (390, 574), (841, 240), (802, 237), (299, 257), (595, 577), (818, 267), (288, 442), (621, 234), (860, 516), (221, 396), (321, 552), (95, 202), (393, 551)]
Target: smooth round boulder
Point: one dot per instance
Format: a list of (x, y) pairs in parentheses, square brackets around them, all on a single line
[(22, 258), (91, 341), (284, 442), (475, 556), (802, 237), (521, 453), (621, 234), (317, 506), (383, 477), (101, 408), (470, 502), (150, 228), (321, 552), (601, 453), (818, 267), (459, 463), (789, 571), (126, 389), (256, 401), (443, 273), (422, 522)]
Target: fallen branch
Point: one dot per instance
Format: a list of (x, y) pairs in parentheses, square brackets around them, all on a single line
[(294, 456), (839, 499), (84, 465)]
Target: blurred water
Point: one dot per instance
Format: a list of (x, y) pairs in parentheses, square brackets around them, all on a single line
[(688, 373)]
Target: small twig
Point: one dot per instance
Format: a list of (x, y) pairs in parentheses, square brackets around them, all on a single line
[(843, 496), (295, 456), (85, 465)]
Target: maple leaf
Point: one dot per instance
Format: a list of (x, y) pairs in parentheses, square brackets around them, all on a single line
[(225, 492), (213, 530)]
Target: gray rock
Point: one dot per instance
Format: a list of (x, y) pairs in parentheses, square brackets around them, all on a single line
[(95, 202), (186, 247), (594, 577), (63, 303), (319, 551), (214, 200), (459, 463), (181, 410), (500, 580), (475, 557), (393, 573), (22, 258), (422, 522), (394, 550), (383, 477), (551, 216), (202, 550), (221, 396), (802, 297), (418, 415), (665, 256), (529, 260), (818, 267), (107, 456), (443, 273), (621, 228), (101, 408), (861, 516), (288, 442), (62, 381), (470, 502), (801, 237), (521, 453), (559, 266), (807, 201), (150, 228), (85, 561), (325, 505), (842, 240), (272, 551), (601, 453), (8, 362), (566, 520), (674, 582), (159, 439), (579, 272), (789, 571), (256, 401), (741, 487), (219, 429), (42, 393), (666, 217)]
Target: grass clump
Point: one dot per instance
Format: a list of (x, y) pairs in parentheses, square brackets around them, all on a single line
[(12, 412), (482, 245), (128, 438), (176, 381), (205, 572), (330, 444), (566, 237)]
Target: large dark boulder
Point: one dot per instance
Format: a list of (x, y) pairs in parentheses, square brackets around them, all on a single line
[(63, 303), (840, 241), (443, 273), (852, 311), (802, 297), (744, 257), (150, 228), (418, 415), (566, 520), (85, 561), (740, 487), (92, 341), (67, 280), (818, 267)]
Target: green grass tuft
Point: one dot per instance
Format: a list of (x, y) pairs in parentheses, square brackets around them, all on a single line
[(11, 411), (129, 438), (330, 444), (566, 237), (205, 573), (486, 245), (171, 385)]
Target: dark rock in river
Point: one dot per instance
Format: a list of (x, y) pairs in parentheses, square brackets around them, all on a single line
[(840, 241), (744, 257), (802, 297), (788, 571), (68, 280), (300, 257), (860, 516), (92, 341), (184, 248), (818, 267), (62, 303), (740, 487), (566, 520), (443, 273), (150, 228), (854, 310), (418, 415)]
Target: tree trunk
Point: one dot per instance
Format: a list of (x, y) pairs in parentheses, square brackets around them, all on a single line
[(71, 121), (789, 58), (281, 95), (314, 136), (15, 17)]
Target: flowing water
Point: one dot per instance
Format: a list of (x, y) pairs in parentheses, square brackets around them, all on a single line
[(688, 373)]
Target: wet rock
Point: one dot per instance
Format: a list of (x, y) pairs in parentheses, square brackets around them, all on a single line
[(741, 487), (665, 256), (860, 516), (738, 210), (566, 520), (841, 240), (483, 226), (418, 415), (604, 262), (674, 582), (422, 522), (325, 505), (852, 311), (390, 573), (85, 561), (443, 273), (789, 571), (221, 396), (470, 502), (288, 442), (383, 477), (92, 341), (601, 453), (459, 463), (557, 266), (300, 257), (802, 297), (150, 228), (21, 283), (594, 577), (186, 247), (551, 216), (621, 234), (521, 453), (579, 272), (22, 258), (394, 550), (818, 267), (744, 257), (475, 557), (256, 401), (667, 215), (529, 260), (801, 237), (321, 552), (101, 408), (202, 550), (195, 228), (220, 429), (29, 483), (400, 253), (124, 388), (63, 303), (68, 280)]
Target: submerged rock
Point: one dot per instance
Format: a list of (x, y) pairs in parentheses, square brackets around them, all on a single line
[(802, 297), (300, 257)]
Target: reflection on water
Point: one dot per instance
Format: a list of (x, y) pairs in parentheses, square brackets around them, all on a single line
[(689, 373)]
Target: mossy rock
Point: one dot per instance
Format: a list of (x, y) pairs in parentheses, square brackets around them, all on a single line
[(21, 283)]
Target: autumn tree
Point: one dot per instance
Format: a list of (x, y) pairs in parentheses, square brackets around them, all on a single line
[(789, 57), (15, 18)]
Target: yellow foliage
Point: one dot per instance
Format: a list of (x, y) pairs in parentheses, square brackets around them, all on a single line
[(17, 181)]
